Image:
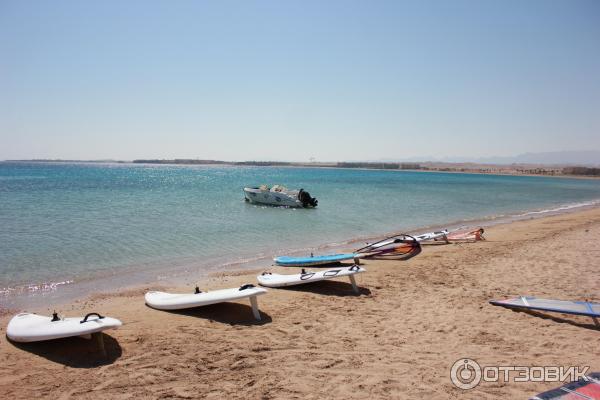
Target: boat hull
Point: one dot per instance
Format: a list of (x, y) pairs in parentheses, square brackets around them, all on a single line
[(267, 197)]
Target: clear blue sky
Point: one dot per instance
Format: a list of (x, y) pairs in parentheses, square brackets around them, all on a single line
[(334, 80)]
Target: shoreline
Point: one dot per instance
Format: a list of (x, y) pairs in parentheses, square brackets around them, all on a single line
[(72, 288), (399, 338)]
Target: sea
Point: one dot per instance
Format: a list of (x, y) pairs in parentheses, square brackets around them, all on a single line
[(72, 229)]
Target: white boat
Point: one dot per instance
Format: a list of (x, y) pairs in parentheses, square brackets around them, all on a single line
[(279, 196)]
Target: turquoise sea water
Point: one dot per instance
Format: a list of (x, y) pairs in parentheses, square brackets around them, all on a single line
[(77, 222)]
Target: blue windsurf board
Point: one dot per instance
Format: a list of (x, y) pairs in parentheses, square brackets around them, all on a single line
[(286, 261)]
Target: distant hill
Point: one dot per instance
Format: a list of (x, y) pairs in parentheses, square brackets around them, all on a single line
[(578, 158), (586, 157)]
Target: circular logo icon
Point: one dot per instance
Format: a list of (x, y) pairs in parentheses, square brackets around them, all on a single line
[(465, 374)]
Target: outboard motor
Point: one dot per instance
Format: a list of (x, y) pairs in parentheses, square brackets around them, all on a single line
[(306, 200)]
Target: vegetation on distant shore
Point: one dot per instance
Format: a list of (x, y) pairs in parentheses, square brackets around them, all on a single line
[(369, 165), (512, 169), (581, 171), (185, 161)]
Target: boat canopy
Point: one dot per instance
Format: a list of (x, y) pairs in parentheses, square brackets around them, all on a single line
[(278, 188)]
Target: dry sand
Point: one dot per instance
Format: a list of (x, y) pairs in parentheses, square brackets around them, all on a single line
[(398, 339)]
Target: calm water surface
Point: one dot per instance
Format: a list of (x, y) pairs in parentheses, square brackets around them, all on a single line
[(78, 222)]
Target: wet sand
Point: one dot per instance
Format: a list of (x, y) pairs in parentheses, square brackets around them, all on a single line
[(397, 339)]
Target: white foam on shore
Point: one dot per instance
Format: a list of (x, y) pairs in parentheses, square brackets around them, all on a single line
[(559, 209), (33, 288)]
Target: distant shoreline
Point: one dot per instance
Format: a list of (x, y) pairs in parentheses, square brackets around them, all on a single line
[(569, 171)]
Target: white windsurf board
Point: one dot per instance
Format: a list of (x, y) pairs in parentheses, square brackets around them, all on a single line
[(29, 327), (180, 301), (278, 280)]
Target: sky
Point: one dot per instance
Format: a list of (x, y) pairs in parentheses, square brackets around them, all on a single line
[(295, 80)]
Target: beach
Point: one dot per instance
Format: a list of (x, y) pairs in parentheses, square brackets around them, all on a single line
[(397, 339)]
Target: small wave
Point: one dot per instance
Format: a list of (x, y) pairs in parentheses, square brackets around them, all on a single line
[(33, 288), (561, 208)]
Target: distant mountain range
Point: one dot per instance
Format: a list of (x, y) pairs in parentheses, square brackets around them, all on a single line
[(584, 157)]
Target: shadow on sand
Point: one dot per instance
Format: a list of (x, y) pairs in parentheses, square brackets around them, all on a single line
[(560, 320), (75, 352), (225, 313), (328, 288)]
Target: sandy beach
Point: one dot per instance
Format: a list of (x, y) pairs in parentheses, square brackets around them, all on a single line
[(397, 339)]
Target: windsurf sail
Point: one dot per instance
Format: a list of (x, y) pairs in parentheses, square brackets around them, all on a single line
[(437, 237), (399, 246), (586, 388), (584, 308), (466, 235)]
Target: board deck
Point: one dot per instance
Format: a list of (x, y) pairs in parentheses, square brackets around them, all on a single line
[(29, 327), (279, 280), (286, 261), (180, 301)]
